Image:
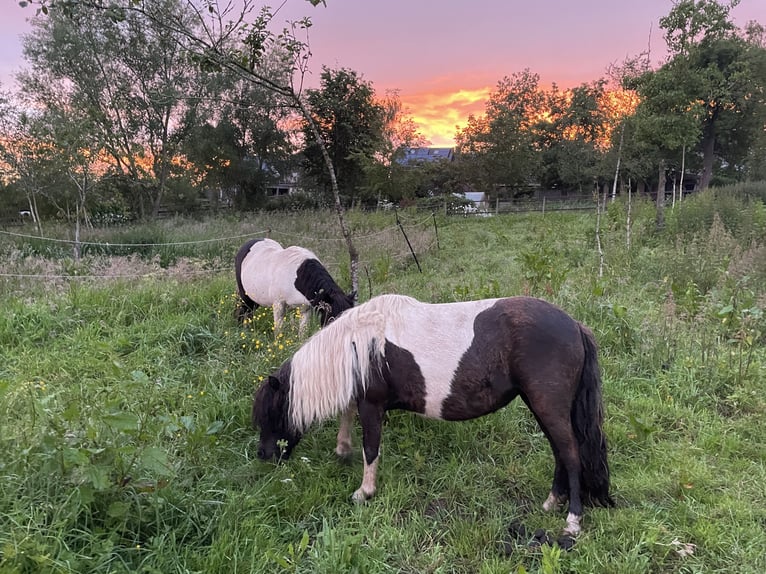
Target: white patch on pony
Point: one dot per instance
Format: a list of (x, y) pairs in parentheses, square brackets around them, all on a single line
[(573, 525), (369, 482), (324, 372), (437, 335), (553, 502), (269, 270)]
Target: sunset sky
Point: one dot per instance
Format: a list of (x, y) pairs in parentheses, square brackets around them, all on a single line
[(445, 56)]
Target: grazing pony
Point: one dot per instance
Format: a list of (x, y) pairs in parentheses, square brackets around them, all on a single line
[(451, 361), (268, 274)]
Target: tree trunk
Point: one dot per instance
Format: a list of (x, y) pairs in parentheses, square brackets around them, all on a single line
[(661, 196), (708, 149), (628, 218), (598, 231), (353, 254), (683, 173), (619, 158)]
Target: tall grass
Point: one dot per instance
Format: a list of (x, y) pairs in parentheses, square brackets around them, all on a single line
[(125, 440)]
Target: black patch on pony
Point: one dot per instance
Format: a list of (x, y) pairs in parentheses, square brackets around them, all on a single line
[(246, 305), (526, 347), (316, 284), (402, 385)]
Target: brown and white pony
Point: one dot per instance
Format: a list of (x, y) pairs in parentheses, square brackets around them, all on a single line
[(268, 274), (451, 361)]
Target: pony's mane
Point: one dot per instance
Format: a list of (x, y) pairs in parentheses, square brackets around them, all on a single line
[(327, 370)]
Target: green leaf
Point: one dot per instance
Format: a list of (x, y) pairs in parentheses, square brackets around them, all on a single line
[(118, 509), (71, 412), (188, 422), (155, 460), (214, 427), (121, 421), (140, 376), (725, 310), (304, 542), (98, 477), (75, 457)]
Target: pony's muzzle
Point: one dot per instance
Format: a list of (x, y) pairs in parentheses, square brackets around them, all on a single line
[(272, 455)]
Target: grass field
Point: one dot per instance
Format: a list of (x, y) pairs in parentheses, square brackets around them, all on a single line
[(126, 387)]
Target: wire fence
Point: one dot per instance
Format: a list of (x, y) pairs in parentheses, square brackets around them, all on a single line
[(28, 259)]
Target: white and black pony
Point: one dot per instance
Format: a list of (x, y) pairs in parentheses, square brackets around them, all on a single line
[(268, 274), (451, 361)]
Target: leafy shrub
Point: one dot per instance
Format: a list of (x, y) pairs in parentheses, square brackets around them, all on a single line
[(742, 215), (700, 259), (543, 271)]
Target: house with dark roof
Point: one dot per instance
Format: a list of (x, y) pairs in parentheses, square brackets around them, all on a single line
[(419, 155)]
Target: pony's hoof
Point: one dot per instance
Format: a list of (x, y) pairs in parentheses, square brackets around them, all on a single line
[(565, 542), (573, 526), (361, 497), (345, 459), (344, 452), (539, 538)]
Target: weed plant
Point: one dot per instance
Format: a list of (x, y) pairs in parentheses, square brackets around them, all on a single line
[(126, 388)]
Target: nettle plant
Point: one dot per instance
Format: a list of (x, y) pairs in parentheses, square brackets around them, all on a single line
[(94, 449), (542, 270), (740, 324)]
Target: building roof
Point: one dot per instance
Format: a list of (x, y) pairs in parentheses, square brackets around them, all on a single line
[(415, 155)]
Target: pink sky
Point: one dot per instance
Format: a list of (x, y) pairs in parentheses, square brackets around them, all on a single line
[(445, 56)]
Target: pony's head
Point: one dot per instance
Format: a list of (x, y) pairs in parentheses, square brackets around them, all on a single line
[(271, 415), (329, 306)]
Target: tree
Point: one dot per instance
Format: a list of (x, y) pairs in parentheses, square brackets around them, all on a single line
[(27, 157), (350, 122), (502, 145), (664, 122), (244, 144), (386, 176), (127, 75), (720, 71), (574, 139), (217, 37)]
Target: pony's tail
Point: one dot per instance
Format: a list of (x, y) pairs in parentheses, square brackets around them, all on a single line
[(587, 420)]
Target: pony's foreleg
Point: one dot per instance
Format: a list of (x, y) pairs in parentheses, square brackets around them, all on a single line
[(343, 448), (371, 417), (279, 315)]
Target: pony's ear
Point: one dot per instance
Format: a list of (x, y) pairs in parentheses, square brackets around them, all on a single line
[(274, 383)]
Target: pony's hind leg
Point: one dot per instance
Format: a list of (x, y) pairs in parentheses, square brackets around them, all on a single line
[(305, 311), (556, 424), (559, 493), (244, 309), (343, 447)]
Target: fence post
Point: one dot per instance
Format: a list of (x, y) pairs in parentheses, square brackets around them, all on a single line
[(415, 257)]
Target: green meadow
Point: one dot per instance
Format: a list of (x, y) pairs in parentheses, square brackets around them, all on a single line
[(126, 386)]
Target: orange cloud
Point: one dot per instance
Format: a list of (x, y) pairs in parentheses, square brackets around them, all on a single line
[(439, 114)]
